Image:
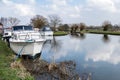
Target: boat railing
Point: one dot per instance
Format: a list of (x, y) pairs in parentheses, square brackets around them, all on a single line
[(29, 36)]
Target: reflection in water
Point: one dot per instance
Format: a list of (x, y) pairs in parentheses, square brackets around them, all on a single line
[(91, 55), (79, 35), (82, 36), (106, 38), (55, 45)]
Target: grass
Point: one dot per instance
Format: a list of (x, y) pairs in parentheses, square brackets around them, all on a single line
[(60, 33), (101, 32), (6, 58)]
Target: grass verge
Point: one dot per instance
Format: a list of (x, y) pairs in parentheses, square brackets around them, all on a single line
[(101, 32), (6, 71), (60, 33)]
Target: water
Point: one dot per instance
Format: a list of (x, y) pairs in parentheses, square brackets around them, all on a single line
[(92, 53)]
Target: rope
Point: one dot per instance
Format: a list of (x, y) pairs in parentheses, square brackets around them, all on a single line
[(20, 52)]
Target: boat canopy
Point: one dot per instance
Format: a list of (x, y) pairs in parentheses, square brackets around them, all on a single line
[(46, 28), (21, 28)]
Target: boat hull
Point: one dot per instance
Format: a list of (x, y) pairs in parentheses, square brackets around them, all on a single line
[(27, 48)]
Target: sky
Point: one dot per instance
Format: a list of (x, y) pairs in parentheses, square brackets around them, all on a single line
[(91, 12)]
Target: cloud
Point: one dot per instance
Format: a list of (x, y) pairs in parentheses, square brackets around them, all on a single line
[(69, 10), (17, 8), (109, 53), (64, 9), (32, 1), (24, 10), (59, 3), (106, 5)]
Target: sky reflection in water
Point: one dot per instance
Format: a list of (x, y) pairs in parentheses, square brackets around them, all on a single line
[(98, 54)]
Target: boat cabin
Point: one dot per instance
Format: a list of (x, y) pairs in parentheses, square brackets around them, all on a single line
[(47, 31), (22, 28), (46, 28)]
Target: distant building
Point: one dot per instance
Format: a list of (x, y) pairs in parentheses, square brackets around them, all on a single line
[(1, 28)]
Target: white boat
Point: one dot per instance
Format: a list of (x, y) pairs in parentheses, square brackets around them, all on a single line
[(26, 41), (47, 32), (7, 34)]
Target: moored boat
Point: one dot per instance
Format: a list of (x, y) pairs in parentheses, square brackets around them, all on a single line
[(47, 32), (26, 41)]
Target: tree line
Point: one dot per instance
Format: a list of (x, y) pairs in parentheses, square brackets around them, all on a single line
[(55, 22), (37, 21)]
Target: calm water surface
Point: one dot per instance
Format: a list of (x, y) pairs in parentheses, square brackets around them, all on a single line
[(93, 53)]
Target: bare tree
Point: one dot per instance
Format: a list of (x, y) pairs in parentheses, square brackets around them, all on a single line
[(39, 21), (8, 22), (54, 21), (13, 21)]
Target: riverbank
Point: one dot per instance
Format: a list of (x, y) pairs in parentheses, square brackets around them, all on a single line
[(102, 32), (10, 70), (60, 33)]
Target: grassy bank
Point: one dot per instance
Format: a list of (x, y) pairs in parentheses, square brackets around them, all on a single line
[(101, 32), (60, 33), (10, 70)]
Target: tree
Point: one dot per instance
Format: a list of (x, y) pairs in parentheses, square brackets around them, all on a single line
[(8, 22), (54, 21), (64, 27), (13, 21), (74, 28), (106, 25), (39, 21), (82, 26)]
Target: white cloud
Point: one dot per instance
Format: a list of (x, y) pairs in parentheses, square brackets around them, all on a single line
[(108, 53), (69, 10), (32, 1), (18, 9), (7, 2), (106, 5), (64, 9), (24, 10), (60, 3)]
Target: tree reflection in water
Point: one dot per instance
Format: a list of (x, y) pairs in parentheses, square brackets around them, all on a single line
[(55, 45), (106, 38), (79, 36)]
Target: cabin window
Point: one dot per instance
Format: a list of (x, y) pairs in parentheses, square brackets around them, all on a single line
[(28, 28), (46, 29), (18, 28)]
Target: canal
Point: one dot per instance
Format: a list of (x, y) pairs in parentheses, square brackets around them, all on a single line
[(93, 53)]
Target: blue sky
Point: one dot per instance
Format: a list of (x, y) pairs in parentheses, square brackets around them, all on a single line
[(91, 12)]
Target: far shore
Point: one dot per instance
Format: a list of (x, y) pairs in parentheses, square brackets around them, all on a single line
[(61, 33)]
